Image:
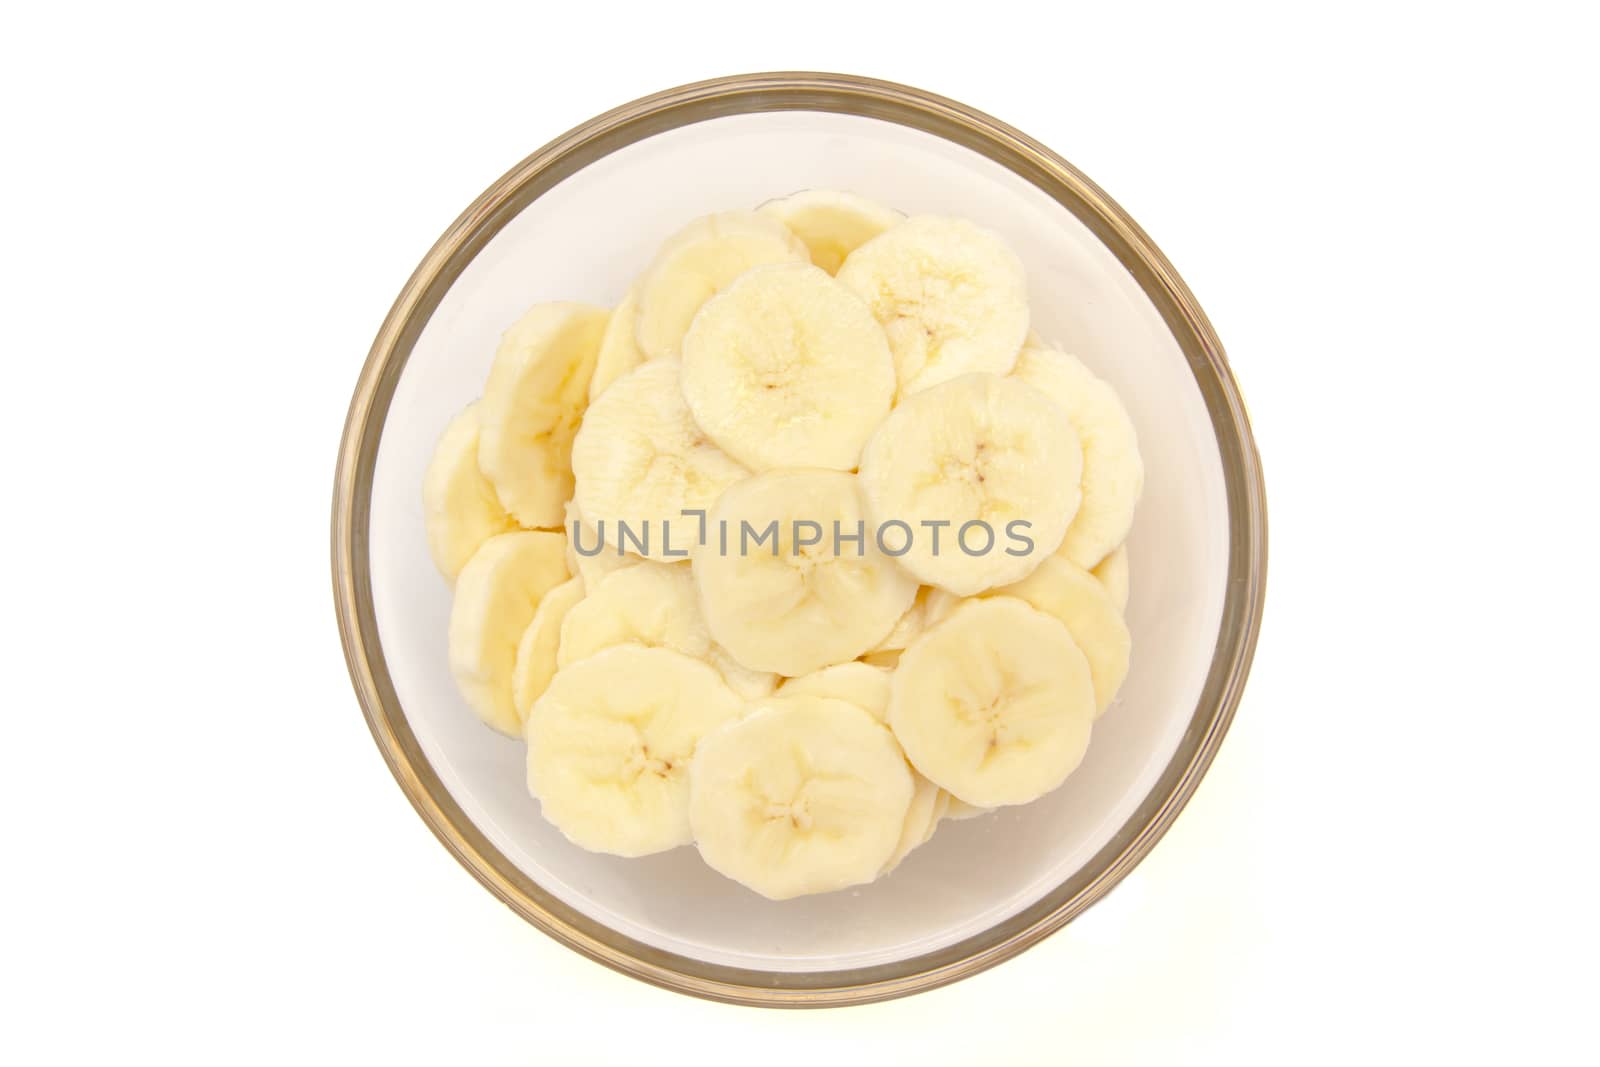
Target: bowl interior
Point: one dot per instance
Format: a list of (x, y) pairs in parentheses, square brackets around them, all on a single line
[(586, 239)]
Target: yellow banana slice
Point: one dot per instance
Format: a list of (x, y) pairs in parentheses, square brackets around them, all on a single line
[(801, 795), (610, 743), (532, 403), (951, 296), (496, 595), (459, 505), (787, 368), (994, 704)]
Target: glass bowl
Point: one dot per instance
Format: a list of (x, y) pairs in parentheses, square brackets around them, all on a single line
[(579, 219)]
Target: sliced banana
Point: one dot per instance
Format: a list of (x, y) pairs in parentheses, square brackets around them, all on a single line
[(951, 296), (910, 625), (788, 606), (459, 505), (699, 261), (619, 352), (960, 810), (787, 368), (535, 663), (1113, 472), (867, 687), (532, 403), (1113, 574), (1071, 594), (927, 801), (994, 704), (590, 565), (610, 742), (1083, 604), (832, 224), (496, 595), (652, 604), (940, 810), (749, 684), (640, 459), (861, 684), (801, 795), (977, 455)]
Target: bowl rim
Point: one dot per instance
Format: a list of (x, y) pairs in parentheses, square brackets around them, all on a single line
[(952, 121)]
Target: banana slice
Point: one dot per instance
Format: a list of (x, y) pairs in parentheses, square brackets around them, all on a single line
[(459, 505), (619, 352), (960, 810), (496, 595), (787, 368), (994, 704), (801, 795), (1113, 472), (910, 625), (977, 455), (651, 604), (748, 684), (832, 224), (640, 459), (922, 816), (791, 607), (861, 684), (1113, 574), (951, 296), (1073, 595), (941, 810), (1083, 605), (699, 261), (537, 390), (867, 687), (589, 565), (610, 743), (535, 663)]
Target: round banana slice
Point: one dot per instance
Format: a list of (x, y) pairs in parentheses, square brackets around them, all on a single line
[(994, 704), (960, 810), (699, 261), (591, 565), (532, 403), (921, 817), (867, 687), (941, 809), (496, 595), (787, 368), (861, 684), (1113, 472), (983, 472), (459, 505), (652, 604), (610, 743), (639, 459), (910, 626), (832, 224), (1073, 595), (951, 296), (535, 664), (780, 591), (1082, 604), (801, 795), (1113, 574), (749, 684), (619, 352)]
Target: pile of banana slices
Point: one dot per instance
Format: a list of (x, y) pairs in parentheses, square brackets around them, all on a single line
[(934, 617)]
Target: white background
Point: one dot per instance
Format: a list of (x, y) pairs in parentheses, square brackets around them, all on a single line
[(1388, 211)]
